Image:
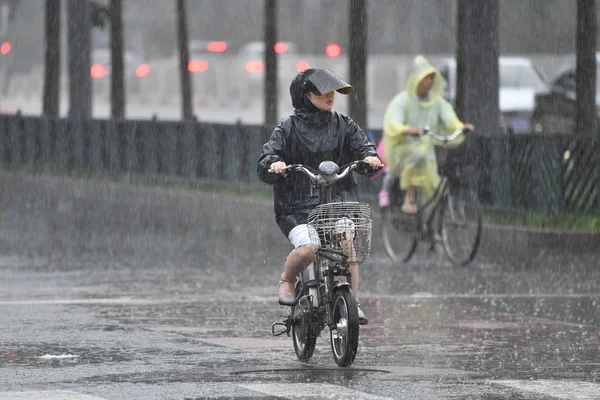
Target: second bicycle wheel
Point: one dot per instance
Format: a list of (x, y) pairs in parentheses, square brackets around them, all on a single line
[(461, 226), (398, 232)]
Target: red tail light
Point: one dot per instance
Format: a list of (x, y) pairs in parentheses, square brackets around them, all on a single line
[(142, 70), (216, 47), (281, 48), (5, 48), (255, 67), (302, 65), (333, 50), (98, 71), (197, 66)]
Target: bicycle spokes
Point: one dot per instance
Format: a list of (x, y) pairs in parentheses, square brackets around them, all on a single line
[(461, 227)]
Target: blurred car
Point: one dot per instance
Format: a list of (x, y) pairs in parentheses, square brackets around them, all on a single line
[(519, 82), (101, 64), (207, 63), (253, 56), (134, 68), (201, 52), (555, 109), (252, 60)]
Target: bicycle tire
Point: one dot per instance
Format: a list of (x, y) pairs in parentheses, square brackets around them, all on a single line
[(461, 217), (399, 236), (304, 330), (344, 337)]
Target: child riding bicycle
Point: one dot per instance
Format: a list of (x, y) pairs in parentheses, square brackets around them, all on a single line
[(410, 156), (314, 133)]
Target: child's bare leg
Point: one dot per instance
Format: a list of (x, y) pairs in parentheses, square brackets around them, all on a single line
[(298, 259), (353, 269), (436, 226), (410, 205)]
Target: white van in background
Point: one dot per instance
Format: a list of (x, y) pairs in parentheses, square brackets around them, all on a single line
[(520, 80)]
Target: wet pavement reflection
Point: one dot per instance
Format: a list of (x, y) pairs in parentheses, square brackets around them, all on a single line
[(141, 298), (435, 331)]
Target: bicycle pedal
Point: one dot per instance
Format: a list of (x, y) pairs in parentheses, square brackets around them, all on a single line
[(286, 325)]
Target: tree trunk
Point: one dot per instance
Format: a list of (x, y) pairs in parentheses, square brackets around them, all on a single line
[(184, 73), (477, 94), (117, 80), (80, 81), (586, 66), (270, 63), (357, 57), (477, 74), (51, 96)]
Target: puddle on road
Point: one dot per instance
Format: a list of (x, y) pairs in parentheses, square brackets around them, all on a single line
[(52, 355)]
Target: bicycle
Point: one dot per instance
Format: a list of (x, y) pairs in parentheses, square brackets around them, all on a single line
[(323, 290), (454, 207)]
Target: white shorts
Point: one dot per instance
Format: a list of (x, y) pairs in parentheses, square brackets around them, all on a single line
[(301, 235)]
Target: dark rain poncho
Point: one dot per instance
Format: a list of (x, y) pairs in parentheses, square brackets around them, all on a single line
[(309, 137)]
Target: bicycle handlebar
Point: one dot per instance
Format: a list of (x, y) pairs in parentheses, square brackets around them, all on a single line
[(322, 178), (445, 139)]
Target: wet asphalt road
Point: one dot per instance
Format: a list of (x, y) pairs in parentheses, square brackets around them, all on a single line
[(139, 321)]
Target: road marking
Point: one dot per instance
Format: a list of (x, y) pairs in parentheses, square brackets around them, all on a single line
[(312, 390), (47, 395), (571, 390)]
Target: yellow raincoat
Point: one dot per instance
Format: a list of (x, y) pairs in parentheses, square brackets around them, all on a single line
[(412, 158)]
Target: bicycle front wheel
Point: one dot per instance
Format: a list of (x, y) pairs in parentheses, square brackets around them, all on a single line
[(398, 232), (344, 332), (461, 226)]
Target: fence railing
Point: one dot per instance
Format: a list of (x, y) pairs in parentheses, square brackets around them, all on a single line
[(549, 173)]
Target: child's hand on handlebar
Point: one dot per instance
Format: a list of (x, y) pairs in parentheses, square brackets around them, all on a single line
[(413, 131), (278, 167), (374, 162), (469, 129)]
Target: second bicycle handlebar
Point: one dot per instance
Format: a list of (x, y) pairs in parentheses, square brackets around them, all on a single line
[(448, 138)]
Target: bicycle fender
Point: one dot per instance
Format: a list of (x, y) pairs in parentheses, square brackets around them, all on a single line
[(340, 284)]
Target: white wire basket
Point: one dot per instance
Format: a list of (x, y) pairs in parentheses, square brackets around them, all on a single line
[(344, 226)]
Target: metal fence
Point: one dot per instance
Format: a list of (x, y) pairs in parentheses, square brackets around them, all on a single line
[(530, 172)]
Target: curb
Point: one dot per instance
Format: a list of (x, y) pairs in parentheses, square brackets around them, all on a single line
[(34, 208), (519, 241)]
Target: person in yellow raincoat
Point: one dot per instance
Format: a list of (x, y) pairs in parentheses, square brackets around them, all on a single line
[(408, 155)]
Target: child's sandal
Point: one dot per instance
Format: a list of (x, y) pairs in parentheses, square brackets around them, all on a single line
[(286, 299)]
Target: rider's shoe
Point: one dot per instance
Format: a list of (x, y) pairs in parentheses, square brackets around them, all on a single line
[(285, 298), (384, 198), (362, 318), (437, 246), (409, 208)]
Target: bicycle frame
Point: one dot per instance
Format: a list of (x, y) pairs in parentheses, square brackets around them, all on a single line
[(440, 210), (328, 266), (442, 190), (323, 297)]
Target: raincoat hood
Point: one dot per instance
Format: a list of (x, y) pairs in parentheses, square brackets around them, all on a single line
[(421, 68)]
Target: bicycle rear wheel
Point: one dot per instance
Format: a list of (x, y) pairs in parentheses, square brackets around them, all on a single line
[(398, 232), (461, 225), (305, 328)]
